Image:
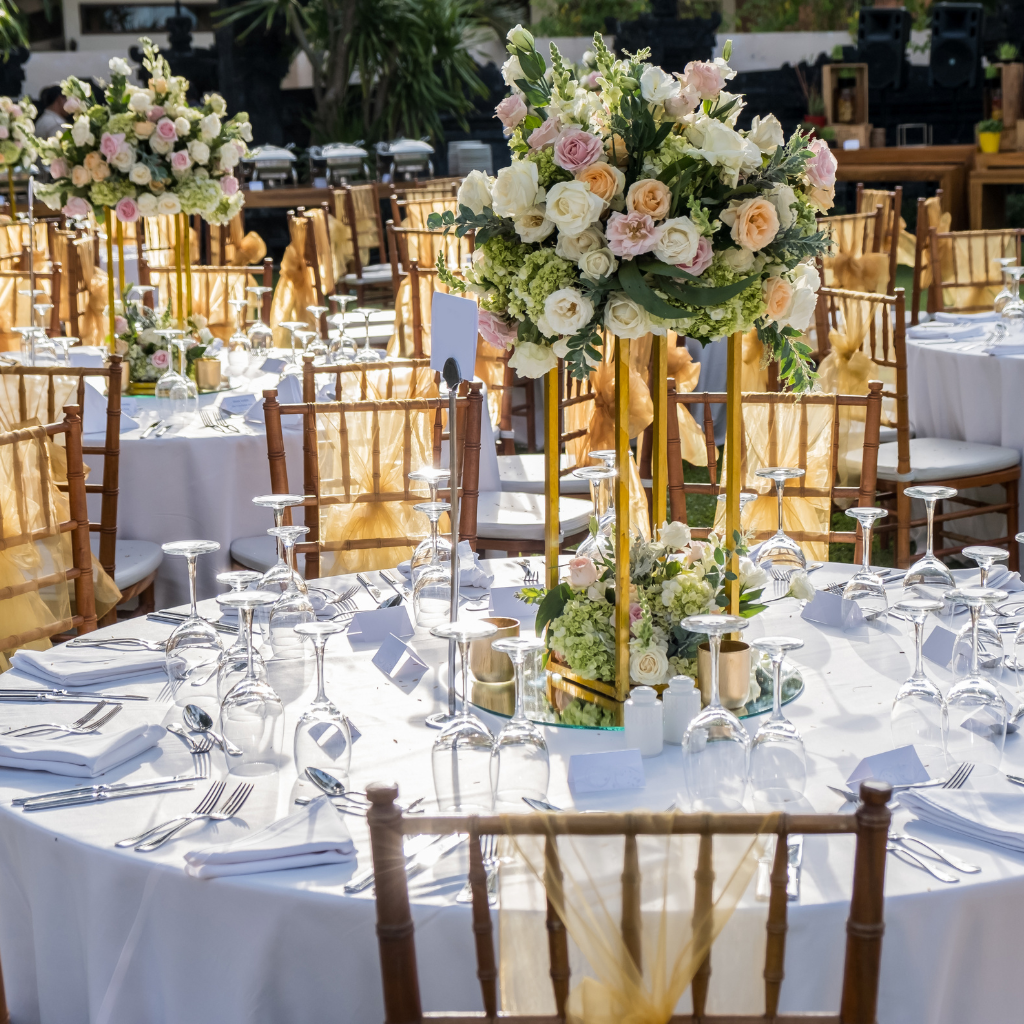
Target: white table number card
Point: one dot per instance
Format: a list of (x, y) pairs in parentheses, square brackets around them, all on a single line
[(938, 646), (504, 602), (898, 767), (606, 771), (376, 625), (398, 660), (453, 332)]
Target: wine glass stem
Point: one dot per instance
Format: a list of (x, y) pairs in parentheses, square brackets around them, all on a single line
[(435, 553), (777, 659), (464, 657), (918, 656), (929, 512), (194, 612), (983, 573), (715, 645), (246, 613), (519, 664), (779, 486), (279, 522), (865, 533), (319, 643), (974, 640)]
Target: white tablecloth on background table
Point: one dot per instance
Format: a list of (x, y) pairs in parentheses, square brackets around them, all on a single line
[(91, 933)]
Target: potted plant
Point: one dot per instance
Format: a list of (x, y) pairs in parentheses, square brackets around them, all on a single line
[(989, 134)]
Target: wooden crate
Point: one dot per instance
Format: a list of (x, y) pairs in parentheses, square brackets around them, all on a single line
[(1012, 87), (829, 82), (860, 132)]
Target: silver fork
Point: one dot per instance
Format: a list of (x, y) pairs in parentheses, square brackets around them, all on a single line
[(222, 421), (201, 759), (208, 802), (530, 575), (92, 726), (489, 852), (209, 420), (81, 721), (116, 641), (959, 777), (231, 807)]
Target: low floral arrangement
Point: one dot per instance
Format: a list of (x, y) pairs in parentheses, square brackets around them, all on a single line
[(148, 355), (634, 204), (17, 132), (143, 150), (670, 578)]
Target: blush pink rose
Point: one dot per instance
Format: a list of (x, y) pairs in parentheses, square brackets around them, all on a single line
[(76, 207), (16, 110), (155, 112), (59, 168), (127, 210), (494, 330), (110, 143), (777, 293), (631, 234), (546, 134), (120, 325), (229, 185), (165, 129), (705, 77), (636, 613), (180, 160), (511, 111), (821, 168), (684, 102), (701, 259), (160, 359), (582, 572), (577, 149)]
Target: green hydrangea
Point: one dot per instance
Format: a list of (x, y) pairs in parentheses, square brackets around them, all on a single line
[(110, 192), (586, 714), (541, 274), (496, 264), (673, 148), (198, 195), (738, 314), (121, 122), (685, 594), (583, 637), (10, 151), (548, 172), (98, 115)]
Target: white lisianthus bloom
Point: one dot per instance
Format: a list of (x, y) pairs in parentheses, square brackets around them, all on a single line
[(597, 264), (140, 101), (766, 133), (199, 151), (572, 206), (475, 192), (518, 36), (140, 175), (656, 86), (574, 247), (81, 132), (723, 147), (530, 360), (805, 297), (532, 225), (724, 98), (566, 311), (168, 204), (738, 258), (119, 66), (625, 318), (752, 577), (800, 586), (245, 131), (677, 241), (512, 72), (209, 127), (783, 199), (674, 535), (648, 668), (515, 189)]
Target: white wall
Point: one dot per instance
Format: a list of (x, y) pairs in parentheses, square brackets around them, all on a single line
[(49, 67), (765, 51)]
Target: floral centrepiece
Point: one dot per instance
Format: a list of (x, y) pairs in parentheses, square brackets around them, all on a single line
[(17, 132), (148, 355), (144, 151), (634, 204)]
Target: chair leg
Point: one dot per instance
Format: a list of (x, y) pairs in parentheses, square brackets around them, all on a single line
[(1011, 523), (902, 527)]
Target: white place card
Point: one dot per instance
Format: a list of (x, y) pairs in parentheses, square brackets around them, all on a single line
[(374, 626), (272, 365), (237, 405), (827, 609), (897, 767), (398, 659), (130, 406), (504, 602), (606, 771), (453, 332), (938, 646)]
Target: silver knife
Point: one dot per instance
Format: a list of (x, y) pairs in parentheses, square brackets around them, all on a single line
[(178, 617), (91, 798), (413, 847), (795, 855), (170, 780), (149, 430), (64, 696), (433, 853)]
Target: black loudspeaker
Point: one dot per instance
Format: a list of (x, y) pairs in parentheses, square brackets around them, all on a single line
[(956, 45), (882, 37)]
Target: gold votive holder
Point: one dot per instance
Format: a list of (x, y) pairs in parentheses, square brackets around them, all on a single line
[(488, 665), (497, 697), (733, 673), (207, 374)]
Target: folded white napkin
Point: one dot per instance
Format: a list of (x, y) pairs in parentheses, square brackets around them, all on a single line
[(86, 355), (83, 666), (993, 812), (94, 416), (289, 392), (470, 572), (1007, 348), (1002, 579), (942, 329), (315, 835), (84, 755), (989, 316)]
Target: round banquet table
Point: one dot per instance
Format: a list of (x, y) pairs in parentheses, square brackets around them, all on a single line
[(91, 933)]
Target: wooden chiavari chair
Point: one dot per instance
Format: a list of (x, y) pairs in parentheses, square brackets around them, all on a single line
[(396, 932), (155, 237), (413, 211), (358, 209), (423, 245), (15, 308), (929, 215), (869, 199), (965, 276), (391, 378)]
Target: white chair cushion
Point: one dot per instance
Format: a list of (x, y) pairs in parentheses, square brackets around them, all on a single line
[(526, 473), (887, 435), (374, 274), (256, 553), (515, 515), (937, 458), (134, 560)]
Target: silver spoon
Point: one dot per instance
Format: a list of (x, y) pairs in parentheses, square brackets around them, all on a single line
[(199, 721), (336, 788)]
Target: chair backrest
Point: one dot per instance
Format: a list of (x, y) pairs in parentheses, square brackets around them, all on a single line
[(892, 204), (14, 244), (929, 215), (413, 303), (15, 308), (158, 236), (73, 250), (964, 274), (318, 254), (358, 209), (791, 430), (391, 378), (854, 234), (396, 932), (34, 604), (413, 211), (357, 457), (406, 244)]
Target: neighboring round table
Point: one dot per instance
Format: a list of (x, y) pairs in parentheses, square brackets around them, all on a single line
[(93, 933)]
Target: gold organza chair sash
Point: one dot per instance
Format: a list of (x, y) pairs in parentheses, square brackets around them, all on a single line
[(231, 245), (212, 288), (364, 198), (294, 291)]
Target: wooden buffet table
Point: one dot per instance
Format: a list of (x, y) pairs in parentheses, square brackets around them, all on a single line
[(988, 204), (280, 198)]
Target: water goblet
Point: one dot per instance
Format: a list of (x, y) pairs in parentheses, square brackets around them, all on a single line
[(194, 647), (520, 765), (928, 569), (366, 354), (293, 606), (435, 550), (432, 595), (316, 317), (233, 661), (1012, 313), (291, 326), (260, 335), (322, 736), (251, 712), (1004, 295), (277, 578), (28, 344), (778, 764), (66, 342), (779, 551), (138, 292), (41, 309), (461, 755), (715, 744), (865, 587), (977, 710), (599, 544), (990, 653), (919, 716)]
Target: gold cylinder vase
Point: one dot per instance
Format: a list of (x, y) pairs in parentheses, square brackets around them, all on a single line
[(733, 673)]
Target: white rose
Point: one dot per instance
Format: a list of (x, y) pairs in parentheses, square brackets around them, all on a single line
[(752, 577), (648, 668), (766, 133), (199, 151), (124, 158), (229, 155), (119, 66), (518, 36), (146, 202), (738, 258), (723, 147), (182, 126), (218, 103), (802, 309), (81, 133), (140, 175), (160, 146), (782, 197), (597, 264), (656, 86), (574, 247), (168, 204), (566, 311), (674, 535), (805, 275), (475, 191), (209, 127), (800, 586), (140, 101), (532, 225), (624, 318), (572, 206), (677, 241), (515, 189), (530, 360), (245, 131), (511, 72)]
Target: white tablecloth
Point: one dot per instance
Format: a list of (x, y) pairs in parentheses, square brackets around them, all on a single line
[(90, 933)]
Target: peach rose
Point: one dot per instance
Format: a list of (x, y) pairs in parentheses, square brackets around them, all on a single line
[(92, 160), (604, 180), (777, 293), (821, 198), (754, 223), (649, 196), (101, 171), (615, 147)]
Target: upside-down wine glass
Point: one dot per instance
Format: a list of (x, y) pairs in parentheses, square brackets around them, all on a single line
[(1016, 661), (599, 544), (779, 551), (865, 588), (293, 606), (316, 314), (66, 342), (305, 336), (990, 653), (143, 290), (435, 548), (715, 744), (520, 764), (260, 335), (233, 662), (339, 320), (919, 715), (977, 710), (174, 398), (251, 711), (1012, 313), (607, 520), (928, 570), (778, 763), (461, 755), (291, 326), (746, 497), (432, 583), (322, 736), (194, 647), (1004, 295), (366, 354), (277, 578)]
